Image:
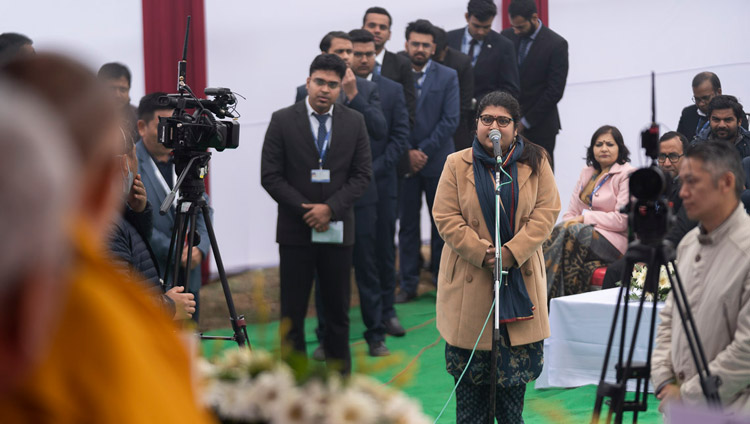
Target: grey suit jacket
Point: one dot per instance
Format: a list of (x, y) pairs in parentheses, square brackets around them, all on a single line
[(162, 233)]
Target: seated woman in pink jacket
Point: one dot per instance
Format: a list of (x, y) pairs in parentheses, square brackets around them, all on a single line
[(593, 232)]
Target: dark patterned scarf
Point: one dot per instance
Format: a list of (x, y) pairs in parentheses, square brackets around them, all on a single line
[(514, 302)]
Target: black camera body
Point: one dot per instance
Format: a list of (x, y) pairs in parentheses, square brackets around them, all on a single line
[(200, 130), (649, 214)]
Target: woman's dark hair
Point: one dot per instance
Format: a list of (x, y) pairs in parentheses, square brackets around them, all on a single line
[(329, 62), (623, 154), (532, 154)]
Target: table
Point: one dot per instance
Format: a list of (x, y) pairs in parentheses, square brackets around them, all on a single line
[(580, 325)]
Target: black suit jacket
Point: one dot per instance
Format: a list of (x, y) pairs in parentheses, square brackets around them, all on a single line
[(387, 152), (689, 121), (454, 59), (288, 155), (398, 68), (543, 76), (496, 64)]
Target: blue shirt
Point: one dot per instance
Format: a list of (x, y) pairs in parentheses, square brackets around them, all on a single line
[(466, 45)]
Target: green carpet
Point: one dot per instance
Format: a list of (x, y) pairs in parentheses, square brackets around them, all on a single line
[(417, 366)]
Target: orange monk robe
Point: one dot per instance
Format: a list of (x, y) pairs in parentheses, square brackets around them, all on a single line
[(113, 356)]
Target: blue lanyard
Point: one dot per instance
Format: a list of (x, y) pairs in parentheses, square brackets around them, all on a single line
[(702, 127), (324, 151), (598, 186)]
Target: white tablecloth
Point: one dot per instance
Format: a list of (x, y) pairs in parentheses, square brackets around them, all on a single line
[(580, 325)]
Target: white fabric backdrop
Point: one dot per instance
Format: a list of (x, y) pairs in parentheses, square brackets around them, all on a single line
[(92, 31), (262, 50)]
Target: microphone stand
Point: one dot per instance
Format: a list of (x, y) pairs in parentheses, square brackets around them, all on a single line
[(498, 273)]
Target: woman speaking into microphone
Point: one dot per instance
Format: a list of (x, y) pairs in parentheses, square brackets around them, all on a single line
[(464, 213)]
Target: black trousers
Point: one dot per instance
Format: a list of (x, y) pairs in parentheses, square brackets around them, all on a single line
[(298, 265), (366, 274), (544, 138), (473, 406), (409, 237)]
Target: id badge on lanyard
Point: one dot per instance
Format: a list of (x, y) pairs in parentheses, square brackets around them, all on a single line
[(321, 175), (598, 186)]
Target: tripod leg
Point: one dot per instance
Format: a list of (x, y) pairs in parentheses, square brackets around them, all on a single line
[(180, 226), (238, 325), (190, 245), (170, 257)]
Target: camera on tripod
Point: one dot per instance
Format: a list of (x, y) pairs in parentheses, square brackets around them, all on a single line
[(200, 130), (649, 212)]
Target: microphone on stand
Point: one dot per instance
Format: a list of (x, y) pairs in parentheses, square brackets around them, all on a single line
[(495, 137)]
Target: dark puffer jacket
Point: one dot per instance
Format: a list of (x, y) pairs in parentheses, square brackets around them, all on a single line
[(128, 244)]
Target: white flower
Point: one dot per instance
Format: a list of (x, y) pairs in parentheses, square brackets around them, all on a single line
[(402, 410), (351, 407), (294, 408), (664, 279), (269, 389), (235, 400)]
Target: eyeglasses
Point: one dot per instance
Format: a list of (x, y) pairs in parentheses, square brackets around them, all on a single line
[(321, 82), (359, 55), (704, 99), (673, 157), (417, 44), (502, 121)]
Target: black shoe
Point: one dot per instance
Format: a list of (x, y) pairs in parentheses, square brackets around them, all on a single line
[(403, 297), (394, 327), (319, 354), (379, 349)]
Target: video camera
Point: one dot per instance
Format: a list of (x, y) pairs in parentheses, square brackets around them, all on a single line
[(649, 214), (200, 130)]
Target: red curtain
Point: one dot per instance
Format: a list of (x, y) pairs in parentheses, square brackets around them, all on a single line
[(164, 23), (541, 6)]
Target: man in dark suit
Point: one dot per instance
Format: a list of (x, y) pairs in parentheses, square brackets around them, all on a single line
[(356, 93), (375, 215), (315, 164), (430, 143), (694, 118), (378, 22), (375, 256), (156, 167), (367, 102), (492, 55), (454, 59), (543, 65)]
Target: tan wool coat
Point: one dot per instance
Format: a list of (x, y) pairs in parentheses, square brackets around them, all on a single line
[(465, 289)]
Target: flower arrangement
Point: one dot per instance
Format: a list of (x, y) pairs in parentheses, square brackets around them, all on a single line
[(251, 386), (638, 279)]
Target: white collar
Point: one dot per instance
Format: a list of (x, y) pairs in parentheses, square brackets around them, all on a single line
[(380, 56), (310, 110)]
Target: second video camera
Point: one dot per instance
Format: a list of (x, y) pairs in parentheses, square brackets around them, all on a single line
[(201, 129)]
